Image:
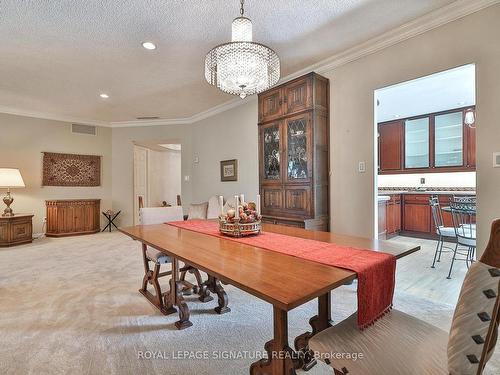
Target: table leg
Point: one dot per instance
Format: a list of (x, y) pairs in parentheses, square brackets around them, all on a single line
[(215, 286), (318, 323), (177, 299), (281, 358)]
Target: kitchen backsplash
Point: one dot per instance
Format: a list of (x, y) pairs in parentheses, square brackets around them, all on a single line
[(432, 180)]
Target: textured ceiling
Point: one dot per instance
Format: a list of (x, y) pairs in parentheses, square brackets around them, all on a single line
[(58, 55)]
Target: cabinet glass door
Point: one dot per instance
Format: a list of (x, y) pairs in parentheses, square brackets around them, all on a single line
[(271, 150), (297, 148), (449, 140), (417, 143)]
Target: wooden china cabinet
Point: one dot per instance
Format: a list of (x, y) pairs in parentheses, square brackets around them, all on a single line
[(294, 153)]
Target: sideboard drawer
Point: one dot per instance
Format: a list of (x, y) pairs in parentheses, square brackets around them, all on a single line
[(4, 232), (20, 231)]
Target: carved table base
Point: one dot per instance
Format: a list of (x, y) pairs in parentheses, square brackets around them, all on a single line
[(177, 297), (214, 285)]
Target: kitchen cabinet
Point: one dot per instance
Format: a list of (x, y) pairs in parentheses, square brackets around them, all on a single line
[(436, 142), (417, 143), (449, 140), (294, 153), (390, 138), (393, 215), (417, 218), (418, 215)]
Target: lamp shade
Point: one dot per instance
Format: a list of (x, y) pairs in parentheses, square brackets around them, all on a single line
[(10, 178)]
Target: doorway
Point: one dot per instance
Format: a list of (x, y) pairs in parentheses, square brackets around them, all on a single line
[(157, 174), (425, 155)]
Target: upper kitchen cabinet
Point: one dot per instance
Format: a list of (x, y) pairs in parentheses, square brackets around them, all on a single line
[(449, 140), (436, 142), (390, 137), (417, 150)]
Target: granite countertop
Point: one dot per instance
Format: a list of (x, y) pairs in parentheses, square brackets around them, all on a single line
[(431, 192), (384, 198)]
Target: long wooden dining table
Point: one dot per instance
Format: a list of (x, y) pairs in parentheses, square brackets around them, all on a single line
[(282, 280)]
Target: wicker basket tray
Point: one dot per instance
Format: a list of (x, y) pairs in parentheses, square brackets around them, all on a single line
[(238, 229)]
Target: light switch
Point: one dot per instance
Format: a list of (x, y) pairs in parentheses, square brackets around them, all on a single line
[(362, 167), (496, 160), (186, 178), (196, 159)]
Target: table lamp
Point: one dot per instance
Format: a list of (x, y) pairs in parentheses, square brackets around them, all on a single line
[(10, 178)]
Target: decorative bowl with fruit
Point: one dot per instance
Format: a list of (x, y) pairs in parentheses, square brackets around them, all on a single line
[(244, 221)]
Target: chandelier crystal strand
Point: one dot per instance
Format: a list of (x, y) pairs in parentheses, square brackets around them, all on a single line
[(242, 67)]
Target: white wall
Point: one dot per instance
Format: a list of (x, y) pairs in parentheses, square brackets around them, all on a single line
[(440, 180), (230, 135), (22, 141)]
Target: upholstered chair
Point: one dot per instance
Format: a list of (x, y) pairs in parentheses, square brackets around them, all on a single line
[(399, 343)]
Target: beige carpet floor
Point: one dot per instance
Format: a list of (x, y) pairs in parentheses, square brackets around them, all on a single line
[(71, 306)]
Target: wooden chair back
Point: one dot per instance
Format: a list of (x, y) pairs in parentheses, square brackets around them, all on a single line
[(179, 203), (160, 215)]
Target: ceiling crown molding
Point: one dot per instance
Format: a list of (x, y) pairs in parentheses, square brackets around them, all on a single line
[(186, 120), (52, 116), (418, 26)]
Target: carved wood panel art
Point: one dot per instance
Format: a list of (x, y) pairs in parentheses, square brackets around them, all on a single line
[(71, 170)]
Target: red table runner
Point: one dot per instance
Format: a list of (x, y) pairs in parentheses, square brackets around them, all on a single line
[(375, 270)]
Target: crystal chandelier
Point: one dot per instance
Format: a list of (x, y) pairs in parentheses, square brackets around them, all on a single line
[(242, 67)]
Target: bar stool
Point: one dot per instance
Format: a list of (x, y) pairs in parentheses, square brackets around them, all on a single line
[(441, 230), (462, 214)]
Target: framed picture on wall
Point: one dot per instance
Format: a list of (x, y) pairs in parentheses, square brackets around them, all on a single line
[(229, 170)]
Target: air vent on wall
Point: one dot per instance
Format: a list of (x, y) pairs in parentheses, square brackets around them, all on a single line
[(148, 118), (83, 129)]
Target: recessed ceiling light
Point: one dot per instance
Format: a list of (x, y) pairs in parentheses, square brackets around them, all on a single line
[(149, 45), (396, 116), (104, 96)]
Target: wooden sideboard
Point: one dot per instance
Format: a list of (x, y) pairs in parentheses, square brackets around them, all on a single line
[(16, 230), (294, 153), (73, 217)]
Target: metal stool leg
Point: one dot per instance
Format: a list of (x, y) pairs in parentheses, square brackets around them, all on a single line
[(452, 260), (438, 247), (441, 249)]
